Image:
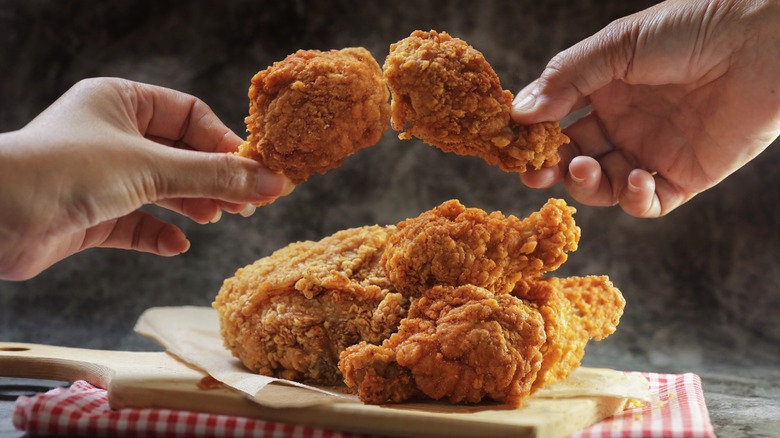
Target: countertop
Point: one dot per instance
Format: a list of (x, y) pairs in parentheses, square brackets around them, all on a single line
[(702, 284)]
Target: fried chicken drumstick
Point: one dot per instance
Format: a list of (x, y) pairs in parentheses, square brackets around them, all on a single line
[(313, 109), (445, 93)]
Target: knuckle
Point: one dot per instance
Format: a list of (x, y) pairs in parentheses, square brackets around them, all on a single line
[(231, 176)]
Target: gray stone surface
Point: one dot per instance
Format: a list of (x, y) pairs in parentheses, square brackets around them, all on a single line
[(702, 284)]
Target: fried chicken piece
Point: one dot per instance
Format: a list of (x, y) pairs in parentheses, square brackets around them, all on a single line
[(454, 245), (454, 342), (372, 371), (445, 93), (291, 314), (310, 111), (575, 310), (463, 344)]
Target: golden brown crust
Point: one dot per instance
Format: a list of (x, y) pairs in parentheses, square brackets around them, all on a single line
[(463, 344), (291, 314), (374, 374), (575, 310), (482, 324), (445, 93), (310, 111), (454, 245)]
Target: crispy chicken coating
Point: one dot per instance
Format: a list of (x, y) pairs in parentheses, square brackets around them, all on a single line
[(445, 93), (454, 245), (450, 305), (290, 314), (575, 310), (463, 344), (372, 371), (310, 111)]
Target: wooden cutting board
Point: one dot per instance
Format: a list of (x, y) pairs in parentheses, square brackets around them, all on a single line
[(159, 380)]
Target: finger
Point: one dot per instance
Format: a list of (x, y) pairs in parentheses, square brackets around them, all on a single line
[(598, 181), (228, 145), (225, 177), (587, 183), (575, 73), (588, 133), (638, 197), (138, 231), (174, 118), (669, 196), (200, 210), (232, 207), (542, 178), (532, 105)]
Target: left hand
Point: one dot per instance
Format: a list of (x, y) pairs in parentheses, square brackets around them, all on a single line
[(76, 176)]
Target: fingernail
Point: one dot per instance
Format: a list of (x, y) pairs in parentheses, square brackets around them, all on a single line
[(524, 103), (270, 183), (576, 179), (288, 187), (632, 187), (216, 217), (187, 248), (249, 210)]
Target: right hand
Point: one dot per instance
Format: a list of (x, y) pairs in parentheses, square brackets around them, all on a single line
[(683, 94)]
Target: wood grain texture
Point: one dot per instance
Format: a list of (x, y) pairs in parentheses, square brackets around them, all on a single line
[(159, 380)]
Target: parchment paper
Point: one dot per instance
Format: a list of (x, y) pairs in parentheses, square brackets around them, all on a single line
[(192, 334)]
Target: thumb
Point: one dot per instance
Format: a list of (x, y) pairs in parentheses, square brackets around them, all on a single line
[(575, 73), (193, 174)]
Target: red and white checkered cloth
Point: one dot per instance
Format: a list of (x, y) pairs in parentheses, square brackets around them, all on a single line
[(677, 410), (83, 410)]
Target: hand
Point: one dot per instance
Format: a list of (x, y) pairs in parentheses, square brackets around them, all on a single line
[(682, 95), (75, 177)]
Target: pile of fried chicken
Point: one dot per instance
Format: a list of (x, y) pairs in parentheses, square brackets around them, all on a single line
[(452, 304)]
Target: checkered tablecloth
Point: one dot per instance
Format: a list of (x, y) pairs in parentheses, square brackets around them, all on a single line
[(677, 409), (83, 410)]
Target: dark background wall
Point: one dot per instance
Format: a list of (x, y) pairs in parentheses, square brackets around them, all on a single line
[(702, 284)]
